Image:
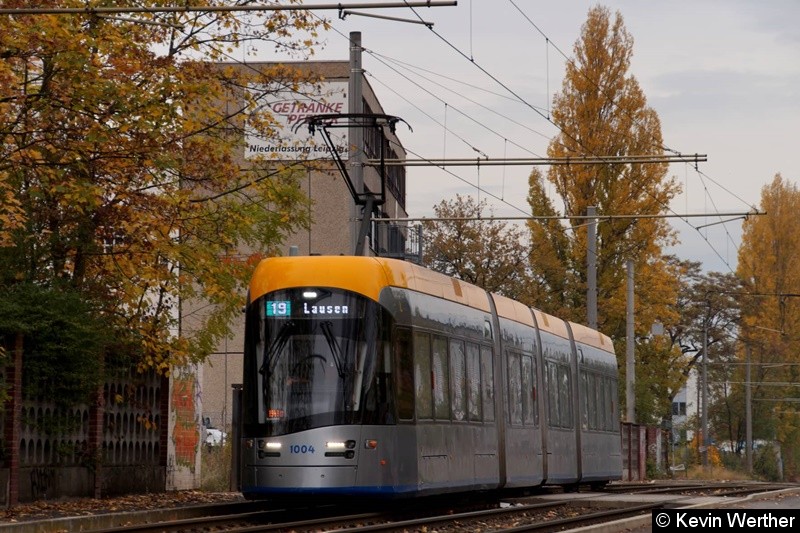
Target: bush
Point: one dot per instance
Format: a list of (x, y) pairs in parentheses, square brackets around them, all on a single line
[(766, 463), (216, 468)]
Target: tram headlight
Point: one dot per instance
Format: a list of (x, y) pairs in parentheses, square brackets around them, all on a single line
[(339, 448), (268, 448), (339, 445)]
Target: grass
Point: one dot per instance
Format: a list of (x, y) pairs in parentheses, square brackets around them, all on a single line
[(715, 473), (216, 468)]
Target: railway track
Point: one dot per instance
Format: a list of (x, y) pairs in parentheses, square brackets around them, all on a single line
[(547, 516), (699, 489), (543, 512)]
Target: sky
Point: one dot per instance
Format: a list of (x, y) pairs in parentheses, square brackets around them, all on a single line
[(723, 76)]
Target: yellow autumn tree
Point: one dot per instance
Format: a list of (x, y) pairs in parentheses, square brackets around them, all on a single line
[(602, 111), (122, 176), (767, 264)]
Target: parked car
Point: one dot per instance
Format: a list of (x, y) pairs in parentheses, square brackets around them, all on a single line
[(212, 436)]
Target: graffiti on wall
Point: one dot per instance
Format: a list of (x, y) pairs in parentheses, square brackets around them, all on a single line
[(185, 433), (43, 482)]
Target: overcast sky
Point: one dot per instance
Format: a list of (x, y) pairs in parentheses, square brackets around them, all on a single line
[(722, 75)]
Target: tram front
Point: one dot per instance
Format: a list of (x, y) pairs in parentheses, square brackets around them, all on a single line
[(317, 367)]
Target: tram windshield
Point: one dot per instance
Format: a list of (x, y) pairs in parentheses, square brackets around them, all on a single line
[(314, 358)]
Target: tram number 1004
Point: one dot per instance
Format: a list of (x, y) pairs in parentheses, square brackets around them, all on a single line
[(301, 448)]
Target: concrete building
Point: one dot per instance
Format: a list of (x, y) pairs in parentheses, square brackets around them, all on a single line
[(337, 213), (685, 410)]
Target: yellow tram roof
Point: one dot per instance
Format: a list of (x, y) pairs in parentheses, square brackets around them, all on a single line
[(586, 335), (519, 312), (367, 276)]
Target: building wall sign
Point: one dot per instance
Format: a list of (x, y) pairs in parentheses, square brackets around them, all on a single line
[(290, 109)]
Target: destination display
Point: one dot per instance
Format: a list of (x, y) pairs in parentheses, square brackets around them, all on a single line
[(310, 304)]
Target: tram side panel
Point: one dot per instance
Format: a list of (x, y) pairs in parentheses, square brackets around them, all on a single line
[(523, 442), (453, 397), (386, 462), (562, 449), (599, 415), (392, 462)]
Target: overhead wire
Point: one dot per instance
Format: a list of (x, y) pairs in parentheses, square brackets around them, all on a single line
[(611, 100), (470, 100), (494, 78), (510, 91), (460, 112), (462, 179), (447, 107), (385, 61), (521, 99), (548, 41)]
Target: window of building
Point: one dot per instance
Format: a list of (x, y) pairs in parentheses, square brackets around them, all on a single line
[(678, 408)]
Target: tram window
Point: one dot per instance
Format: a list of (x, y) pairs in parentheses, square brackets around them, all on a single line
[(422, 376), (473, 382), (559, 395), (611, 417), (613, 423), (529, 412), (441, 389), (551, 384), (599, 403), (458, 380), (565, 397), (405, 374), (514, 388), (585, 380), (487, 382), (604, 416), (592, 403)]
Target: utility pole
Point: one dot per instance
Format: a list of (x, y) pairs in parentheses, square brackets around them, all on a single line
[(355, 134), (748, 413), (591, 268), (629, 359), (704, 406)]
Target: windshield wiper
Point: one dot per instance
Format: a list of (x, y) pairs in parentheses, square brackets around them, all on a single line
[(336, 350), (271, 356)]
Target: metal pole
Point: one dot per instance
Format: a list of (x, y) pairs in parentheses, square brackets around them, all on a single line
[(748, 413), (355, 105), (704, 406), (236, 442), (629, 361), (591, 268), (356, 138)]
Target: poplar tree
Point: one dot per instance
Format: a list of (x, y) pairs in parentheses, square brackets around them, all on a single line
[(602, 111)]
